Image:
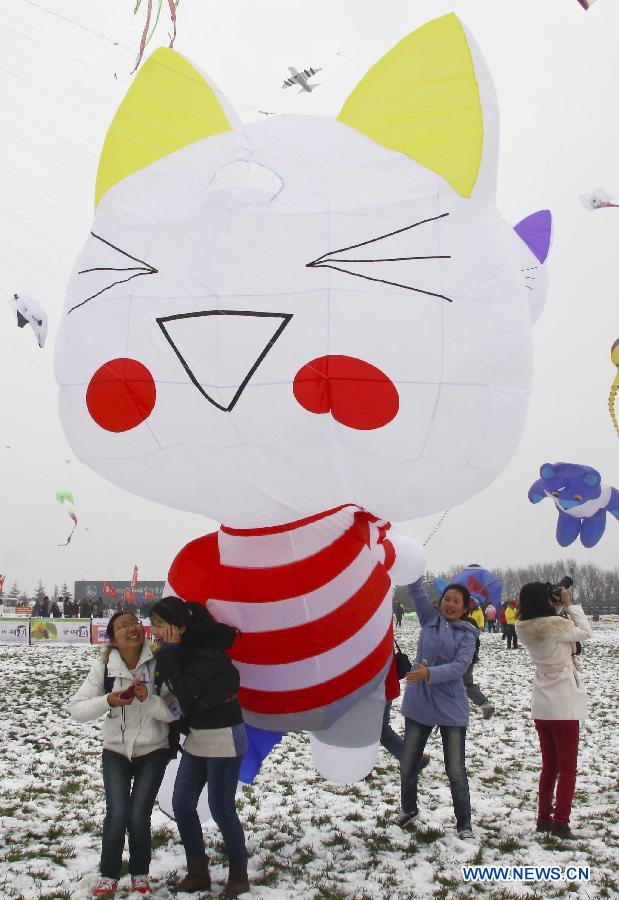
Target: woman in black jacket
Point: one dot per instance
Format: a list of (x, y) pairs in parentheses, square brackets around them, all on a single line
[(193, 663)]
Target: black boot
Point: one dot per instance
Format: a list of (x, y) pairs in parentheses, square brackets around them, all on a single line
[(544, 825), (197, 877), (562, 830), (238, 883)]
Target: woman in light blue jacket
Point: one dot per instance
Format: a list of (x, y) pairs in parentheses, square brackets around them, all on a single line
[(435, 695)]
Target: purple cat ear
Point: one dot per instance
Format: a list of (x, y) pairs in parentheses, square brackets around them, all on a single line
[(536, 231)]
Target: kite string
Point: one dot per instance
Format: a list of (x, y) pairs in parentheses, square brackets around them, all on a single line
[(436, 528)]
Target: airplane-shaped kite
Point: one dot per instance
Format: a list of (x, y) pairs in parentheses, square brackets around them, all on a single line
[(300, 78), (586, 3)]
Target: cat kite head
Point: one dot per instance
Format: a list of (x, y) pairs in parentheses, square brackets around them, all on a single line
[(274, 319)]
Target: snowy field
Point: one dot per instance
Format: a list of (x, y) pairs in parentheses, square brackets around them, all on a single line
[(308, 838)]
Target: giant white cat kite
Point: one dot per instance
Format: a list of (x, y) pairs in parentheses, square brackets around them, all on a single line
[(305, 327)]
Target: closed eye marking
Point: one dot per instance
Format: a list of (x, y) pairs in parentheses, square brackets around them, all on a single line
[(325, 261), (143, 269)]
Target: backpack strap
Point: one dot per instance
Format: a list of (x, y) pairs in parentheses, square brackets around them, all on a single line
[(158, 679), (108, 681)]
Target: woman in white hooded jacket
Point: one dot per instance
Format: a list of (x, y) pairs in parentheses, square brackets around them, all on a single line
[(559, 698), (136, 748)]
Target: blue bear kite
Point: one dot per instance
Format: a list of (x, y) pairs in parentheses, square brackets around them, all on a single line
[(581, 499)]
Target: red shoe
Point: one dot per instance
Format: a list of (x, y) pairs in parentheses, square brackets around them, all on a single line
[(140, 884), (105, 887)]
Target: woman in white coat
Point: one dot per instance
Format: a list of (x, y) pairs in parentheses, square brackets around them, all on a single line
[(559, 698), (136, 750)]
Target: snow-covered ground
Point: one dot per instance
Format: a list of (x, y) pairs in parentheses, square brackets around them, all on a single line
[(308, 838)]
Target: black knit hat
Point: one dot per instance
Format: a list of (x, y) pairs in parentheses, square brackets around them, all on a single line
[(172, 610)]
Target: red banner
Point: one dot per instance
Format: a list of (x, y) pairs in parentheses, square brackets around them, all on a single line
[(134, 579), (129, 595), (148, 595), (110, 591)]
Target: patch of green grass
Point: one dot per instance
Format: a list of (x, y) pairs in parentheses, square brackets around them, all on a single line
[(608, 886), (329, 892), (304, 855), (161, 837), (428, 835), (70, 788), (60, 853), (509, 845), (40, 874), (320, 821), (336, 839), (19, 854)]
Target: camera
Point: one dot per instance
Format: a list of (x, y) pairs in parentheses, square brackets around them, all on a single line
[(555, 589)]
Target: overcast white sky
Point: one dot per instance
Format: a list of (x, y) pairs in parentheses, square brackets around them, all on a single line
[(64, 67)]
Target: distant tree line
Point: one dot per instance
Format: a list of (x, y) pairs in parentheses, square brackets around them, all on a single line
[(597, 589), (15, 593)]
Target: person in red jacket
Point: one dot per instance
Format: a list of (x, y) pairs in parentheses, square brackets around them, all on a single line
[(503, 623)]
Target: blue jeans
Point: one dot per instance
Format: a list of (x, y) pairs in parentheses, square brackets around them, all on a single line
[(222, 775), (415, 739), (129, 809), (390, 740)]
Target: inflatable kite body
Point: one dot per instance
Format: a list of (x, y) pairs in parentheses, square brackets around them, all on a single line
[(29, 311), (275, 321), (483, 585), (312, 602), (581, 500)]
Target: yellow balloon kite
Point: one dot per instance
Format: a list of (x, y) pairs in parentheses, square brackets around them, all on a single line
[(614, 355)]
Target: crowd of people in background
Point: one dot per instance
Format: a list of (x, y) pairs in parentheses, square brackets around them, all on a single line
[(86, 608)]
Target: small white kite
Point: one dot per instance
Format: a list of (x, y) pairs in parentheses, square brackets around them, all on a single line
[(30, 312), (598, 199)]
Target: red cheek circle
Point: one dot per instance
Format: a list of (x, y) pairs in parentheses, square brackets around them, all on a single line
[(121, 395), (356, 393)]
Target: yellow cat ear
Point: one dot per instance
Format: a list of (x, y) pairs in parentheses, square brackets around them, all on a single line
[(422, 99), (168, 106)]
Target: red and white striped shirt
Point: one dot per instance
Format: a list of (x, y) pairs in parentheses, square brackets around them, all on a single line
[(312, 600)]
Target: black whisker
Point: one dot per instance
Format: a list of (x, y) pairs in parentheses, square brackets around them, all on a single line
[(381, 237), (317, 263), (406, 287)]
